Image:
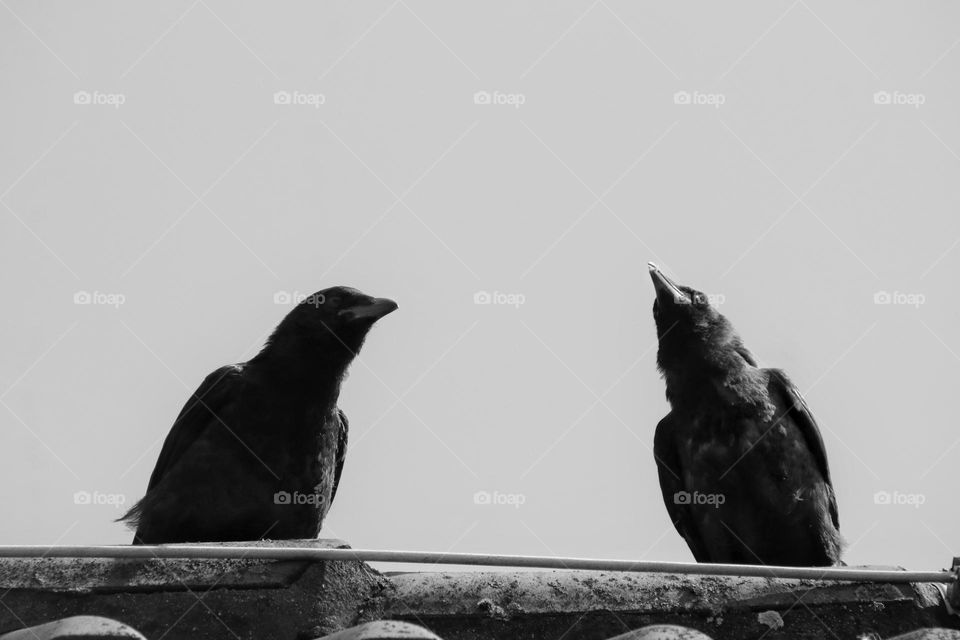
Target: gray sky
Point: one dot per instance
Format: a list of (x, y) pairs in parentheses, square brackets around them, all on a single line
[(744, 147)]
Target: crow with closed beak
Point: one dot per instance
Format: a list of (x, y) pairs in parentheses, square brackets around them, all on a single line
[(258, 450), (742, 465)]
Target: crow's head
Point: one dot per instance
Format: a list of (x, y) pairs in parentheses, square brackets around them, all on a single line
[(334, 321), (692, 334)]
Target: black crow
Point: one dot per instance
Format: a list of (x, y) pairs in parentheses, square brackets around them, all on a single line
[(742, 464), (258, 449)]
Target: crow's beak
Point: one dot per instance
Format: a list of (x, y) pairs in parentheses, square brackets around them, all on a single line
[(372, 309), (665, 288)]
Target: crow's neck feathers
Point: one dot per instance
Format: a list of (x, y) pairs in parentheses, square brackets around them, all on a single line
[(305, 360), (717, 368)]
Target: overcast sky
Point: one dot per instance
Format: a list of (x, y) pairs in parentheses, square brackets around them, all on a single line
[(184, 168)]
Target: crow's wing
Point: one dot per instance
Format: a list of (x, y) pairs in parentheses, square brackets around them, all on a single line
[(203, 410), (341, 451), (799, 411), (668, 467)]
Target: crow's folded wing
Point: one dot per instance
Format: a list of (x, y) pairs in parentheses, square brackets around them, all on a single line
[(800, 414), (671, 483), (202, 411), (341, 451)]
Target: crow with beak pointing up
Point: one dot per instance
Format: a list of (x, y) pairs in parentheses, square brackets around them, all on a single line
[(258, 450), (742, 465)]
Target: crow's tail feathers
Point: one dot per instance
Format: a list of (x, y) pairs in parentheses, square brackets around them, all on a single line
[(132, 519)]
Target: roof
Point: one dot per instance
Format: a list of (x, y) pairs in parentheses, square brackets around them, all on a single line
[(247, 598)]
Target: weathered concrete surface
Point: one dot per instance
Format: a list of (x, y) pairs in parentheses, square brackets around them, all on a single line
[(599, 605), (197, 599)]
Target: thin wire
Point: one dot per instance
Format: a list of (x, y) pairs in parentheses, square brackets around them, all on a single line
[(847, 574)]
